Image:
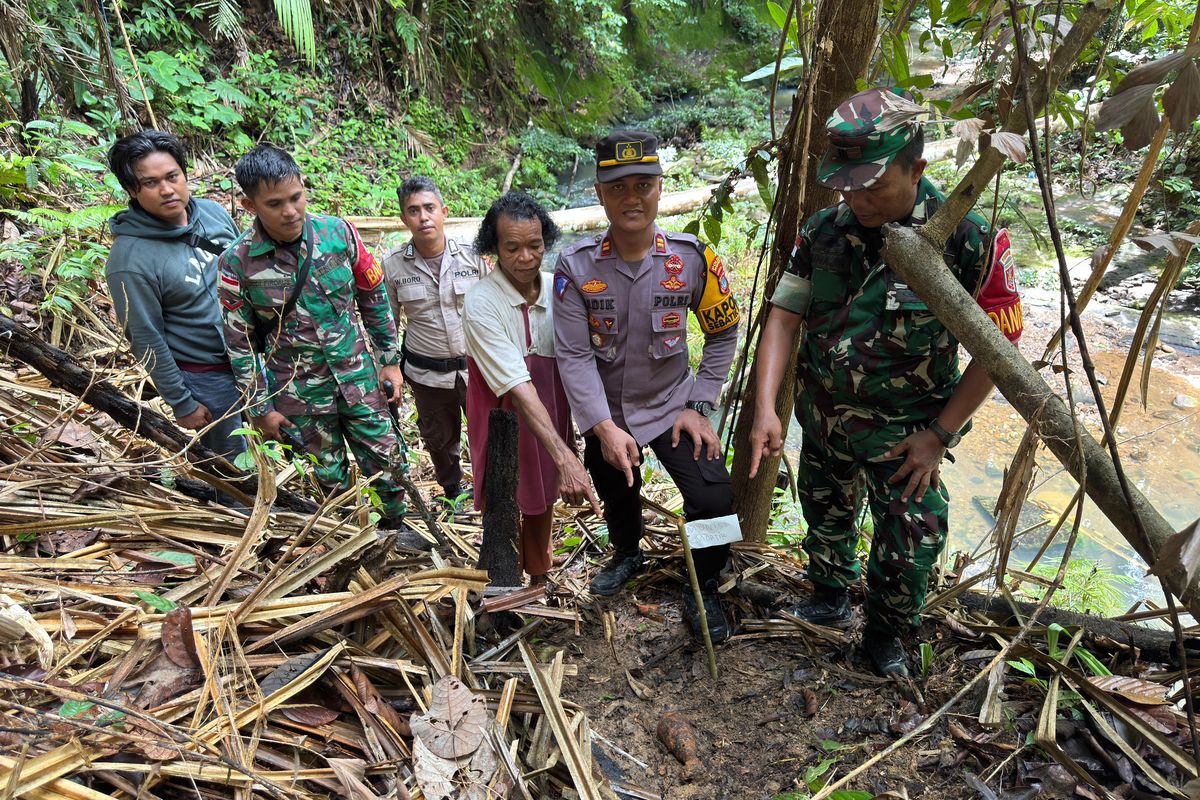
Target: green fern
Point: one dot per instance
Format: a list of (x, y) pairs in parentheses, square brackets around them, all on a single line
[(54, 221), (295, 17)]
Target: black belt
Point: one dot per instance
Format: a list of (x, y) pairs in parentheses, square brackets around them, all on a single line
[(433, 364)]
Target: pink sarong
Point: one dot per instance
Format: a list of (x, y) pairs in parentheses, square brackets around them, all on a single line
[(537, 477)]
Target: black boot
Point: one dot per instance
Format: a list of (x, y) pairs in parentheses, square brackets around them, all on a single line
[(620, 568), (827, 606), (886, 651), (714, 612), (404, 536)]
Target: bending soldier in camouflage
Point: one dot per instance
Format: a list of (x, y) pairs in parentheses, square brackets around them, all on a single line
[(299, 351), (879, 398)]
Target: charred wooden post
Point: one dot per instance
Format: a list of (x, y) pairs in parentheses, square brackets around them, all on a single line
[(501, 515), (61, 369)]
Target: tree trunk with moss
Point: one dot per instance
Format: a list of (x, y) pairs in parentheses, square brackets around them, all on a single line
[(844, 40)]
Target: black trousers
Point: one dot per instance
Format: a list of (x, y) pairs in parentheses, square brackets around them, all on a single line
[(439, 419), (704, 484)]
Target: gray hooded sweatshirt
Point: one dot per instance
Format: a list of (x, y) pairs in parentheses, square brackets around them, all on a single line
[(165, 293)]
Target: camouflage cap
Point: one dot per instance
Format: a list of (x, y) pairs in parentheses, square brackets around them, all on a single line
[(624, 153), (859, 151)]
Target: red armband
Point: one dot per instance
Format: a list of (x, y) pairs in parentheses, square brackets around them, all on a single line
[(998, 295), (367, 272)]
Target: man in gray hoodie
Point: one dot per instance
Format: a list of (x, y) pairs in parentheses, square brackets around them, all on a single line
[(162, 274)]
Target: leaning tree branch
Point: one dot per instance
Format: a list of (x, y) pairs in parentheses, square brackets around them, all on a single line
[(62, 370), (920, 263)]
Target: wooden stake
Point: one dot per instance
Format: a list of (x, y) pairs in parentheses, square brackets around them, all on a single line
[(691, 568)]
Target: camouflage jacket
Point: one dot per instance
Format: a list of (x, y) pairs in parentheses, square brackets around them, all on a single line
[(320, 352), (873, 351)]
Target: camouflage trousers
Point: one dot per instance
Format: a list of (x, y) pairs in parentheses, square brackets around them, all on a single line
[(370, 436), (835, 476)]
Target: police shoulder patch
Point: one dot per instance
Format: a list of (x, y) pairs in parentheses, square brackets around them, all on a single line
[(718, 309), (716, 268), (561, 281)]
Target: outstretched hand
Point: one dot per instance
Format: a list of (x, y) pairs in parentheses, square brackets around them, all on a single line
[(619, 449), (574, 486), (766, 438)]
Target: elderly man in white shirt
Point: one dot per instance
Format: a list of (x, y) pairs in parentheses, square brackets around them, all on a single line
[(510, 348)]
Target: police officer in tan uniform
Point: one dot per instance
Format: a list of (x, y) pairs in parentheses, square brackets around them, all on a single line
[(621, 331), (427, 279)]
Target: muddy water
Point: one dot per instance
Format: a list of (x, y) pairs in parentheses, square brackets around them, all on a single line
[(1160, 451)]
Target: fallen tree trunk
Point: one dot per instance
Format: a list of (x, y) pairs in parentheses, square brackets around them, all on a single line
[(1156, 645), (586, 218), (62, 370)]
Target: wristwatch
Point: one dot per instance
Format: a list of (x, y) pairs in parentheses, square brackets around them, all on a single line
[(948, 439), (701, 407)]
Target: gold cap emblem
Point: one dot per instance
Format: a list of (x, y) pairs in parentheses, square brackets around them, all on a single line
[(629, 151)]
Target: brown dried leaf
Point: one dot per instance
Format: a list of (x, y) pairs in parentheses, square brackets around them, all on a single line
[(163, 680), (97, 486), (899, 111), (968, 94), (1119, 109), (1140, 130), (643, 691), (1160, 718), (1012, 145), (21, 636), (69, 629), (311, 715), (352, 775), (375, 704), (178, 638), (1151, 73), (1133, 689), (967, 131), (434, 774), (72, 434), (69, 541), (456, 721), (1153, 241), (483, 781), (159, 748), (288, 671), (1182, 99)]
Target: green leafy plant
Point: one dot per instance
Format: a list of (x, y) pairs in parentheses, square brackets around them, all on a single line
[(1087, 587), (158, 603), (926, 653)]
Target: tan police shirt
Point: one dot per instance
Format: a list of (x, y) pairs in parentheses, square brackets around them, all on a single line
[(431, 298)]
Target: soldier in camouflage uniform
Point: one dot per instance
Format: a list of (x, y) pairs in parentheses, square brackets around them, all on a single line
[(306, 368), (880, 399)]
